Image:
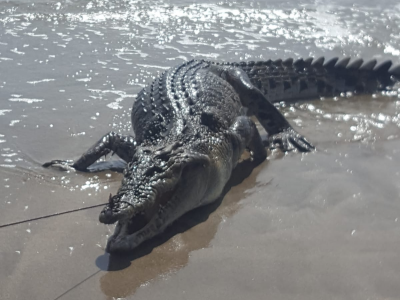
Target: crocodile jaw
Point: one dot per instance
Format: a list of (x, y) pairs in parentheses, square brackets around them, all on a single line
[(129, 233), (162, 202), (137, 218)]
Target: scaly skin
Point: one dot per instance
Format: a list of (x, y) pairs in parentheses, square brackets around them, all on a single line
[(190, 130)]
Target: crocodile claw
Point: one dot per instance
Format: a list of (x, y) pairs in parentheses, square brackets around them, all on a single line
[(63, 165), (289, 140)]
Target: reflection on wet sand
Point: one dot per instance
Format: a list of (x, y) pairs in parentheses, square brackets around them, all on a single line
[(171, 251)]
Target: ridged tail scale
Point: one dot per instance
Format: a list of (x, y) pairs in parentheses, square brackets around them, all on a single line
[(291, 80)]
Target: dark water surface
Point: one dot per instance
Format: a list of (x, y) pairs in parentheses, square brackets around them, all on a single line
[(323, 225)]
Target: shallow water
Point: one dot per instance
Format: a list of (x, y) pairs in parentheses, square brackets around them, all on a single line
[(323, 225)]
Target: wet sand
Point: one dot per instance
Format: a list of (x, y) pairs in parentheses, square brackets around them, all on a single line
[(323, 225)]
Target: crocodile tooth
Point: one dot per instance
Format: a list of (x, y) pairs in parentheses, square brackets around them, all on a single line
[(307, 62), (395, 71), (267, 62), (355, 65), (317, 63), (383, 67), (278, 62), (299, 64), (288, 62), (343, 63), (368, 66), (331, 63)]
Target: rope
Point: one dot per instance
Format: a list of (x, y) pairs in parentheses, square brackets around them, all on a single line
[(52, 215)]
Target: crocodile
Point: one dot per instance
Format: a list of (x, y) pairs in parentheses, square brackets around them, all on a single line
[(193, 123)]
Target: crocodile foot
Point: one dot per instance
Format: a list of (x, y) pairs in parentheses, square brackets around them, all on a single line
[(289, 140), (63, 165)]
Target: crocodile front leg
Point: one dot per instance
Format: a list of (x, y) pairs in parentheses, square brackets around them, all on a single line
[(246, 135), (279, 130), (124, 146)]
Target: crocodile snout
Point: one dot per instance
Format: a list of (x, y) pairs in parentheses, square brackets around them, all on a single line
[(115, 210), (107, 216)]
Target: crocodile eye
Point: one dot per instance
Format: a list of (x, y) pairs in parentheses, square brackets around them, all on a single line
[(163, 156), (153, 170)]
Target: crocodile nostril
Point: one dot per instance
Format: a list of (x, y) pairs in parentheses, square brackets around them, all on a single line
[(107, 217)]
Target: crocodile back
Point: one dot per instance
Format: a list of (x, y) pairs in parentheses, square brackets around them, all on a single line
[(185, 101)]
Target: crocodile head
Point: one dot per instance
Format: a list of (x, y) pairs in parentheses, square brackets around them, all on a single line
[(154, 184)]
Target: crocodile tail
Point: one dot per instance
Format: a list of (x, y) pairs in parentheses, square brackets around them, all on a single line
[(310, 78)]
